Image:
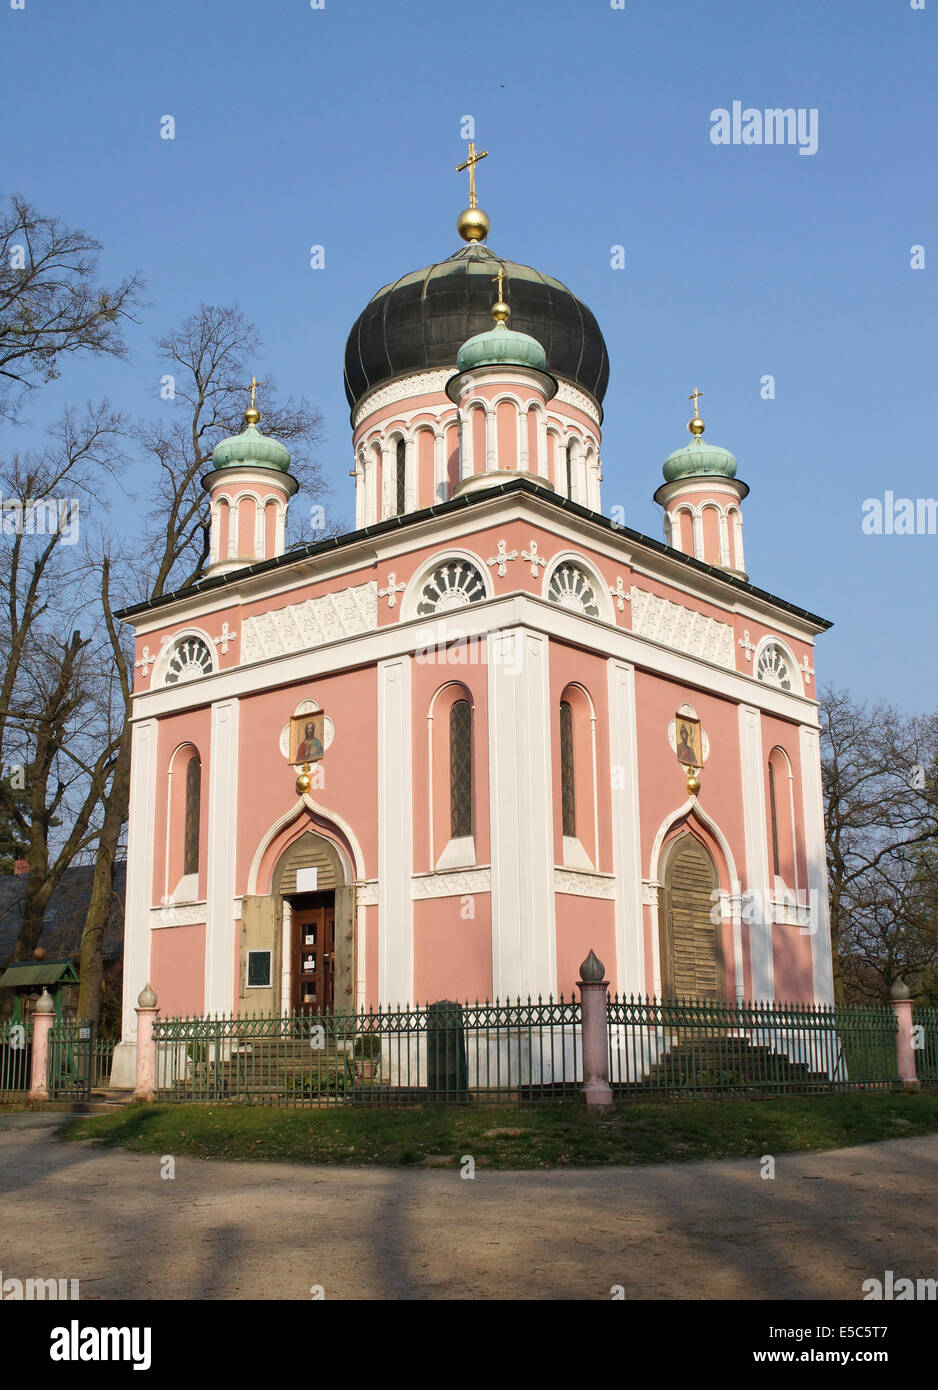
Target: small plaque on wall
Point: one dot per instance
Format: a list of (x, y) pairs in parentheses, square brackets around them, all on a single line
[(259, 969), (307, 880)]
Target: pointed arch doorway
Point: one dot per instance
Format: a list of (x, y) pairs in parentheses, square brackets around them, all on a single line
[(691, 942), (311, 881)]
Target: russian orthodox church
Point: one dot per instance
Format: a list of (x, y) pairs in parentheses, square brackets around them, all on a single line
[(534, 731)]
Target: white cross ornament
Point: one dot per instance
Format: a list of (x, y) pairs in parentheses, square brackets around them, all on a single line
[(224, 637), (145, 662), (619, 594), (392, 591), (747, 645), (502, 558), (806, 670), (534, 558)]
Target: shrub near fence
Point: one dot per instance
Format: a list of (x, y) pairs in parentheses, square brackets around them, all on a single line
[(524, 1052)]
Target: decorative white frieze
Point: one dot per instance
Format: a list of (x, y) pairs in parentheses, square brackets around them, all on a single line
[(178, 915), (583, 885), (454, 884), (419, 384), (569, 395), (682, 629), (317, 620)]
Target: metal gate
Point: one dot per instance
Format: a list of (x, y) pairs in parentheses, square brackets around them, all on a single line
[(71, 1061)]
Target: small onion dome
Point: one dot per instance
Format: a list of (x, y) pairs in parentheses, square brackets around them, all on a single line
[(251, 447), (698, 458), (501, 345)]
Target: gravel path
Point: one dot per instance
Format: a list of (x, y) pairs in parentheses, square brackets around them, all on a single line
[(237, 1230)]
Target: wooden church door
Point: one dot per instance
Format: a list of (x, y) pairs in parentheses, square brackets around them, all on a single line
[(691, 951), (313, 963)]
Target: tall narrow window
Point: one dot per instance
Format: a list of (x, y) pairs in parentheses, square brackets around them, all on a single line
[(401, 476), (567, 787), (193, 803), (570, 470), (773, 815), (460, 769)]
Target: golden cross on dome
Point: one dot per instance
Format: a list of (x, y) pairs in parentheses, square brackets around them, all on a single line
[(470, 164), (254, 386), (695, 397), (497, 279)]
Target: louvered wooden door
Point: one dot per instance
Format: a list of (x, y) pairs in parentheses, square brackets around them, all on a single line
[(691, 957)]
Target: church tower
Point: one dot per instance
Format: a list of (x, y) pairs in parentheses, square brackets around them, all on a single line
[(701, 496), (250, 488), (421, 435)]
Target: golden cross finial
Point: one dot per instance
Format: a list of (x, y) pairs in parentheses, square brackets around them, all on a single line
[(497, 279), (470, 164), (696, 426), (695, 397), (254, 385)]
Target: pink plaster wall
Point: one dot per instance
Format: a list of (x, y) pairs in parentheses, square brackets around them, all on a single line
[(177, 969), (583, 924), (453, 949)]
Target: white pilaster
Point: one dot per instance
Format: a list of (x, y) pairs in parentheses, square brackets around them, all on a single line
[(491, 448), (395, 833), (816, 857), (757, 854), (626, 831), (410, 475), (524, 953), (139, 892), (439, 466), (388, 469), (222, 839)]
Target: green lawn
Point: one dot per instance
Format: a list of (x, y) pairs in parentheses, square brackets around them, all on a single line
[(550, 1136)]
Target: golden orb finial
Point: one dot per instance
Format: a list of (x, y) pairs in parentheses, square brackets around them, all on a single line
[(696, 426), (472, 223), (304, 781), (252, 415), (693, 781), (500, 310)]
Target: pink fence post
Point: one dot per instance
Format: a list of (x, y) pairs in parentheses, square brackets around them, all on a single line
[(146, 1012), (901, 1002), (43, 1019), (595, 1033)]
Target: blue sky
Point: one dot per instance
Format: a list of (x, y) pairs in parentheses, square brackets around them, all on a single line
[(340, 127)]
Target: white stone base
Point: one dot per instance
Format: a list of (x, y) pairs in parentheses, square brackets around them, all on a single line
[(124, 1066)]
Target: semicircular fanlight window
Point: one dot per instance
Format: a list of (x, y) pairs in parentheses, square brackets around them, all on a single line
[(451, 585), (573, 588), (190, 659), (772, 667)]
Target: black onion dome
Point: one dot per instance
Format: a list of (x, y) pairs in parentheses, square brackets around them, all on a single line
[(423, 319)]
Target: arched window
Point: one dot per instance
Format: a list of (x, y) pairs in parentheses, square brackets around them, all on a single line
[(460, 769), (190, 864), (773, 818), (190, 658), (772, 667), (572, 588), (453, 584), (401, 478), (567, 771), (570, 470)]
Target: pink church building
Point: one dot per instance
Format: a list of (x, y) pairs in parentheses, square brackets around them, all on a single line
[(540, 731)]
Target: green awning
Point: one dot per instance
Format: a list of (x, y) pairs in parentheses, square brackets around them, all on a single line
[(39, 972)]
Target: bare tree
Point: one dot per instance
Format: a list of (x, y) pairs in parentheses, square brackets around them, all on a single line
[(51, 304), (881, 811), (53, 726), (204, 359)]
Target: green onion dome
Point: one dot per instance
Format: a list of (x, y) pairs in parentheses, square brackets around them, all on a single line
[(251, 448), (501, 345), (699, 459)]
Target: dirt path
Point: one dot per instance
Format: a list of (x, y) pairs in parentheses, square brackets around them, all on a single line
[(238, 1230)]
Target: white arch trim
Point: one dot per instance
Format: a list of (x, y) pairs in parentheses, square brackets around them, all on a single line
[(410, 597), (306, 803), (601, 588), (693, 808), (797, 679)]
